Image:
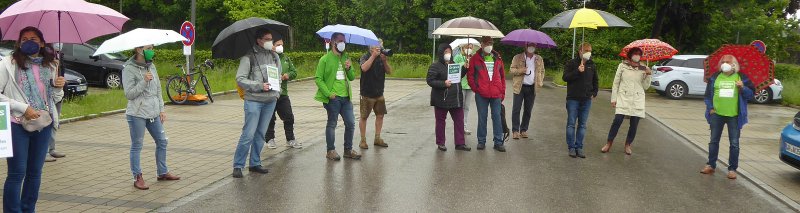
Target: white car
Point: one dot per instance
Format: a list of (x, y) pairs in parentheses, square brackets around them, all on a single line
[(682, 75)]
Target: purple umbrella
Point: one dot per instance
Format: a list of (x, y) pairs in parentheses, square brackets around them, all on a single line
[(523, 37), (63, 21)]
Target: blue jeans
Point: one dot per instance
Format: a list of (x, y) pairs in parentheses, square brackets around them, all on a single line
[(137, 125), (29, 150), (577, 110), (717, 123), (256, 120), (340, 106), (483, 105)]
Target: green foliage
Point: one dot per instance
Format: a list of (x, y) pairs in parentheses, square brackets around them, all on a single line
[(242, 9)]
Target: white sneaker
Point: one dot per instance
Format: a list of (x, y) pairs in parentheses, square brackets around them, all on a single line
[(271, 144), (294, 144)]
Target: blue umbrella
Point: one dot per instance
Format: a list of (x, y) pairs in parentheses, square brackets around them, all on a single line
[(352, 34)]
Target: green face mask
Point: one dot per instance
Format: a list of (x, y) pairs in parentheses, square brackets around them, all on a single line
[(148, 55)]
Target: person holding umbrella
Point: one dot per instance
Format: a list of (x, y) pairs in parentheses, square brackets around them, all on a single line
[(628, 96), (581, 77), (446, 98), (260, 99), (333, 76), (145, 111), (726, 99), (31, 88), (528, 71), (462, 53), (486, 76)]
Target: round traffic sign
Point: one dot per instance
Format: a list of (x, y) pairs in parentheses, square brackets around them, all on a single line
[(187, 30), (760, 45)]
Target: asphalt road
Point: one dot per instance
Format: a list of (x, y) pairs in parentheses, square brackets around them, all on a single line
[(535, 175)]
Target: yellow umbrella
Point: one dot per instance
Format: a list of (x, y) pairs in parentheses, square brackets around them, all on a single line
[(584, 18)]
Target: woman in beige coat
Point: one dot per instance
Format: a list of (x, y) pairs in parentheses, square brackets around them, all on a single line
[(628, 97)]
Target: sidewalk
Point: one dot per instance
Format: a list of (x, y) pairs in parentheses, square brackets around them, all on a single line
[(95, 176), (759, 143)]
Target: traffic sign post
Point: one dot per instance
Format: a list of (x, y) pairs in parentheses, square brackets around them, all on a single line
[(187, 30)]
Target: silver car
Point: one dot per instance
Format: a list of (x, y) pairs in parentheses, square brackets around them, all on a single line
[(682, 75)]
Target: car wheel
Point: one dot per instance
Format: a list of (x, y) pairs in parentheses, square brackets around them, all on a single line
[(677, 90), (762, 97), (113, 80)]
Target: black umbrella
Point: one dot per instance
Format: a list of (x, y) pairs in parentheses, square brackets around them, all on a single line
[(236, 40)]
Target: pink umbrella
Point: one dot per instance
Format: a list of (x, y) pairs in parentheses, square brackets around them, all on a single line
[(63, 21)]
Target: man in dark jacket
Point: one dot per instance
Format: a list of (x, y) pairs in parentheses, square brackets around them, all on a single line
[(581, 77), (486, 76), (446, 97)]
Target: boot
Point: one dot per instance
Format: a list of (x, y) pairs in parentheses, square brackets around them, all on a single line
[(363, 144), (139, 183), (379, 142)]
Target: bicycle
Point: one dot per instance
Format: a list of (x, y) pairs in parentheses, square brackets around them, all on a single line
[(179, 87)]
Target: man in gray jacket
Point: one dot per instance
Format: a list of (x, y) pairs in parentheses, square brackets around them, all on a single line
[(259, 101)]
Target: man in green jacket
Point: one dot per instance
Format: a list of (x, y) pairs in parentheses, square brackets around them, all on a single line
[(284, 106), (334, 73)]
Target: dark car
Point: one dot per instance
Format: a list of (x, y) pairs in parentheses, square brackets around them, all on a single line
[(76, 84), (103, 70)]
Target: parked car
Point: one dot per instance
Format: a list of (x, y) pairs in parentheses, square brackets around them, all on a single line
[(76, 84), (104, 70), (683, 75), (790, 143)]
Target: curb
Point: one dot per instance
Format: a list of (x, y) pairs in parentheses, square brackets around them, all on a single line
[(760, 184)]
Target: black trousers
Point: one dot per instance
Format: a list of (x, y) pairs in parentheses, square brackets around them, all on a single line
[(284, 110), (525, 98), (612, 133)]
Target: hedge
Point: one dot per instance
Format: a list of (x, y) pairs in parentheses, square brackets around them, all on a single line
[(787, 71)]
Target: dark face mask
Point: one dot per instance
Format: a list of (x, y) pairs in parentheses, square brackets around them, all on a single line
[(30, 47)]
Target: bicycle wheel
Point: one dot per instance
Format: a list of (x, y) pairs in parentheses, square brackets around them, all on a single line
[(208, 87), (178, 89)]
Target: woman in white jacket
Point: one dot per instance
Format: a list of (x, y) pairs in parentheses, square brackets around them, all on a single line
[(29, 84), (628, 97)]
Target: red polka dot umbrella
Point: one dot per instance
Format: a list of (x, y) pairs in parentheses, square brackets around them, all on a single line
[(652, 49), (753, 63)]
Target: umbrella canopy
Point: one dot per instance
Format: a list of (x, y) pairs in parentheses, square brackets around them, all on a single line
[(468, 27), (137, 38), (588, 18), (523, 37), (753, 63), (236, 40), (652, 49), (463, 42), (352, 34), (63, 21)]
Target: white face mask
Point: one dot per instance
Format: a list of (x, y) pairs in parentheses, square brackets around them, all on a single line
[(340, 46), (327, 46), (268, 45), (587, 55), (487, 49), (447, 57), (279, 49), (468, 51), (531, 49), (635, 58), (726, 67)]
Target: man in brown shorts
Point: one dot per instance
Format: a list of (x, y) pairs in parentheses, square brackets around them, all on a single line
[(374, 67)]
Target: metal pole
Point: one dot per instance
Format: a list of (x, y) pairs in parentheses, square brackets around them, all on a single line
[(574, 34), (194, 9), (433, 53)]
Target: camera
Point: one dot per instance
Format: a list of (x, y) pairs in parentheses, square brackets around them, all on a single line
[(387, 52)]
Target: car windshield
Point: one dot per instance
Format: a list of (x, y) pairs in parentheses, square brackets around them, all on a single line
[(115, 56)]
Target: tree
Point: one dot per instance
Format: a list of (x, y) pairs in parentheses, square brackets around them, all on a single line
[(242, 9)]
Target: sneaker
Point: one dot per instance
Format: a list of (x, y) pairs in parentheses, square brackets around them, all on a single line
[(463, 148), (237, 173), (515, 135), (580, 154), (332, 155), (294, 144), (500, 148), (259, 169), (271, 144), (352, 154), (49, 158), (523, 134), (57, 154), (481, 146), (572, 153)]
